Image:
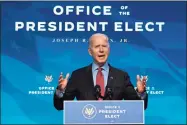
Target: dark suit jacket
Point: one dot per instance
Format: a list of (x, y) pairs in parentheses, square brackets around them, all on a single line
[(81, 86)]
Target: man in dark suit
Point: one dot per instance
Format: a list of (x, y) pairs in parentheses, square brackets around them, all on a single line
[(100, 73)]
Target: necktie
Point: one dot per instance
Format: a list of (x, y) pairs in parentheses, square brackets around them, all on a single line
[(100, 81)]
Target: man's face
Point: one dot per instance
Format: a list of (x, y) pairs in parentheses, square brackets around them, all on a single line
[(99, 49)]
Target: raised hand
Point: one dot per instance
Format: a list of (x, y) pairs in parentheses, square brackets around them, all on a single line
[(141, 83), (62, 82)]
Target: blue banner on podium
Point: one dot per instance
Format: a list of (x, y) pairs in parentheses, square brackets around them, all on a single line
[(104, 112)]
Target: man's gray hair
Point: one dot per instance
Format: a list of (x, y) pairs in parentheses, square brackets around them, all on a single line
[(97, 34)]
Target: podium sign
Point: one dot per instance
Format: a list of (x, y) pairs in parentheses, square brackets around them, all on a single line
[(104, 112)]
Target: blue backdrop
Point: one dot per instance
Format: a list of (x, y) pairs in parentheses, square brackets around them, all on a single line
[(28, 57)]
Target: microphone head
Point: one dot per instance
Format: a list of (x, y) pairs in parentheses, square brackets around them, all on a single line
[(108, 90), (97, 91), (97, 88)]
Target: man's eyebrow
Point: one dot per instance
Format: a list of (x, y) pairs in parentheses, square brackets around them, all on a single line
[(97, 45)]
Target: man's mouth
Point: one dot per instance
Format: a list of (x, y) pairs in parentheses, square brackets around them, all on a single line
[(101, 56)]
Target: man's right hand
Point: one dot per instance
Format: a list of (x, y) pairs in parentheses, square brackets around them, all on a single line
[(63, 81)]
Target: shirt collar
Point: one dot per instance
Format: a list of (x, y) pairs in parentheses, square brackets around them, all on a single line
[(105, 67)]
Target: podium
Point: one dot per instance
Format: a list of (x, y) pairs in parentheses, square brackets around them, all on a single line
[(104, 112)]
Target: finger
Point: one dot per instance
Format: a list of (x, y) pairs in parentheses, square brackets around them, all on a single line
[(144, 82), (60, 80), (61, 75), (67, 76), (145, 78), (138, 78)]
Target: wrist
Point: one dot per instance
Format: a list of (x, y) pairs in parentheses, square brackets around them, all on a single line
[(141, 92), (60, 88)]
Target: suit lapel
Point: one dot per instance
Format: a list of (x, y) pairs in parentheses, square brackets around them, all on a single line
[(90, 76), (111, 76)]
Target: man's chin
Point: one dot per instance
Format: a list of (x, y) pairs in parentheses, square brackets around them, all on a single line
[(101, 63)]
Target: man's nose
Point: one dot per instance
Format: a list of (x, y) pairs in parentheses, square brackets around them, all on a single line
[(101, 49)]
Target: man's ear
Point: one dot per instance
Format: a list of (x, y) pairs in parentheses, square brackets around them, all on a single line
[(89, 51)]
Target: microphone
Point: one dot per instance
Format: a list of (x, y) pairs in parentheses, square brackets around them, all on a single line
[(98, 92), (109, 92)]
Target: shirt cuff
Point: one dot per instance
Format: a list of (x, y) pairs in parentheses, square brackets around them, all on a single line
[(60, 93)]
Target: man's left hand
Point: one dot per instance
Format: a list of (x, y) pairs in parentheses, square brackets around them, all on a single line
[(141, 83)]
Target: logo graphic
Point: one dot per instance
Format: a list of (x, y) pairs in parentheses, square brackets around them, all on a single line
[(48, 78), (89, 111), (44, 89)]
